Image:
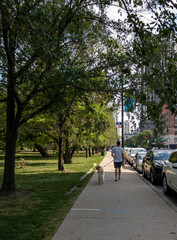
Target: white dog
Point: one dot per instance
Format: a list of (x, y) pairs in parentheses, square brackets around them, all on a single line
[(100, 174)]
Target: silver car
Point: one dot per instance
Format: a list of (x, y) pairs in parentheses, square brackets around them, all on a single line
[(170, 173), (127, 154), (133, 152), (137, 162)]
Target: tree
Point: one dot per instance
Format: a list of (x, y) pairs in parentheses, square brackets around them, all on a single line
[(38, 40), (83, 119), (110, 132), (30, 136), (2, 127), (143, 139)]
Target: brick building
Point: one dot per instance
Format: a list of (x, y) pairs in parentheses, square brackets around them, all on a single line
[(170, 132)]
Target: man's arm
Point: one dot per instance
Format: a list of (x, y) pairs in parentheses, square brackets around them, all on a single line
[(112, 154)]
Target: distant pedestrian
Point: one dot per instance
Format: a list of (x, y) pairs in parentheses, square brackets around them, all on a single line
[(118, 154)]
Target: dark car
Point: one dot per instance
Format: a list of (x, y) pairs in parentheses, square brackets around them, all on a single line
[(153, 163)]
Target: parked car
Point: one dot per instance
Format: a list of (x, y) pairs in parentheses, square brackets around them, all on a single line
[(153, 162), (127, 153), (133, 152), (170, 173), (137, 162)]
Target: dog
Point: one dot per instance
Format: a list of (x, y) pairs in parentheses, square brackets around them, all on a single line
[(100, 174)]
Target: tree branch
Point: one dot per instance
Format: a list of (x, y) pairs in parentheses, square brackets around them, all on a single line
[(36, 89), (26, 66), (39, 110)]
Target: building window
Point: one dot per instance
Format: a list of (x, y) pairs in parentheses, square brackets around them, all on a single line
[(175, 133), (175, 140)]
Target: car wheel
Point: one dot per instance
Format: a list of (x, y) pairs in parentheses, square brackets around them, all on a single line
[(152, 177), (143, 173), (165, 186)]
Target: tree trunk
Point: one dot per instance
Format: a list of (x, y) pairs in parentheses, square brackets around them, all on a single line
[(86, 153), (93, 153), (72, 152), (41, 150), (60, 145), (97, 150), (8, 187), (12, 123), (67, 155), (90, 152)]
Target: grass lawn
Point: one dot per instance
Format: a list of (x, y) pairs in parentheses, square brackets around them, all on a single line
[(43, 205)]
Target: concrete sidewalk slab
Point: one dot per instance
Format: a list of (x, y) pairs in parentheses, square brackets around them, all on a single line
[(124, 210)]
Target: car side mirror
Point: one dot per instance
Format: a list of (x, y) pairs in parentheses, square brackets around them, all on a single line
[(174, 165)]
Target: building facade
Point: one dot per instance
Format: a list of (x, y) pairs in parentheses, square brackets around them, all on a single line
[(170, 131), (128, 127)]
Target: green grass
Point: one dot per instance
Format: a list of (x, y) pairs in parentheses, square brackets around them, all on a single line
[(38, 214)]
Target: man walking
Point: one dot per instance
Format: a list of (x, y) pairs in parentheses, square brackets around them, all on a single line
[(118, 154)]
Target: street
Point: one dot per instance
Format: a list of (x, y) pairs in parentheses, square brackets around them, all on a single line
[(158, 188)]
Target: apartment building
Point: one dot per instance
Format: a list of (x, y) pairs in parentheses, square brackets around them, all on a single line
[(147, 125), (170, 131), (128, 127)]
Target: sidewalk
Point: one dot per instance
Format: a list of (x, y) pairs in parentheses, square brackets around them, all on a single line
[(124, 210)]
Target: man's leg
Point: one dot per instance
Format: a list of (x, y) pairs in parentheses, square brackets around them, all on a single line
[(115, 174), (119, 172)]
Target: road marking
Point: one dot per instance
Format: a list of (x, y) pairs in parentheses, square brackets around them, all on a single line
[(98, 210)]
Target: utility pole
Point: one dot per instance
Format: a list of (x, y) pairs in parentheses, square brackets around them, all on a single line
[(122, 98), (116, 119), (117, 113)]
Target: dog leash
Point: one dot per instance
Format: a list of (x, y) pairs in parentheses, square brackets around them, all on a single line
[(107, 164)]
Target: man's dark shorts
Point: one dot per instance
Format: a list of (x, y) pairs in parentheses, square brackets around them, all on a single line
[(117, 164)]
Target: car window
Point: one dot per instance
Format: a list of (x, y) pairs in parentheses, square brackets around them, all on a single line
[(141, 155), (173, 158), (141, 150), (161, 156), (135, 151)]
